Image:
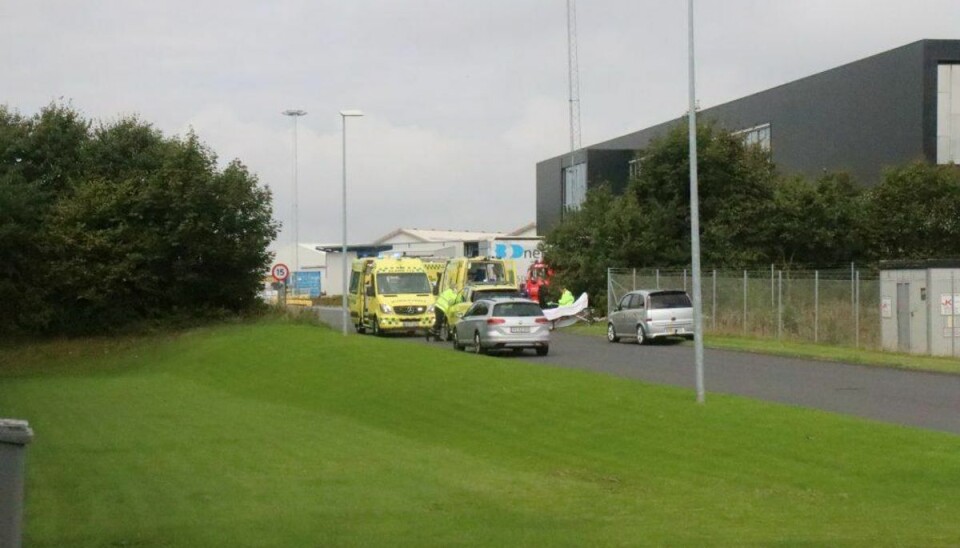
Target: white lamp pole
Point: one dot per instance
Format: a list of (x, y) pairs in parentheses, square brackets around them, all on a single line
[(695, 223), (344, 114), (296, 194)]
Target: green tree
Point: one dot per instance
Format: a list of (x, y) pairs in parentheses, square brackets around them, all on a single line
[(735, 187), (820, 223), (649, 225), (915, 213), (117, 224), (39, 159), (605, 232)]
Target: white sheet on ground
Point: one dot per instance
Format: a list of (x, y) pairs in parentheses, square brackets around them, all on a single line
[(567, 312)]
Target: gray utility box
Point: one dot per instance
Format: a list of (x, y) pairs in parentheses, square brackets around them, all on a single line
[(919, 312), (14, 436)]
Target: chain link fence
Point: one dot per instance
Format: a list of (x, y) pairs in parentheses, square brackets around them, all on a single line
[(840, 307)]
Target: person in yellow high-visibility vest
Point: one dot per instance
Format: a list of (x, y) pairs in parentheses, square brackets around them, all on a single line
[(566, 298), (445, 300)]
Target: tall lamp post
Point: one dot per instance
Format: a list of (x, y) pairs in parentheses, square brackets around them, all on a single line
[(695, 217), (296, 197), (344, 114)]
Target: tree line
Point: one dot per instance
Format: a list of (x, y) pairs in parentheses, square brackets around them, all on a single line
[(107, 224), (751, 215)]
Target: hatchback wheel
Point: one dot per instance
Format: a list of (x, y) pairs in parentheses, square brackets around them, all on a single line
[(641, 335), (542, 350), (612, 334), (456, 343)]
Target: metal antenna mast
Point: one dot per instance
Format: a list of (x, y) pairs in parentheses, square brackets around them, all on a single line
[(573, 70)]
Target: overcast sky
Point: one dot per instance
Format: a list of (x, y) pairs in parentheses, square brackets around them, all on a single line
[(462, 98)]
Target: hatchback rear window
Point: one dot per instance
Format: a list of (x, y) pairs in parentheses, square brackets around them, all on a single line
[(670, 299), (517, 310)]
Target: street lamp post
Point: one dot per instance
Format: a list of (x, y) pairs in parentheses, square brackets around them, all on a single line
[(695, 217), (344, 114), (296, 198)]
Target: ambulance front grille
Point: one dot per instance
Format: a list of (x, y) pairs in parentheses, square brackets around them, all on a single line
[(409, 310)]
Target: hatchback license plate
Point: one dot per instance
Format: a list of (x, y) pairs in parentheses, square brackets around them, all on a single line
[(519, 329)]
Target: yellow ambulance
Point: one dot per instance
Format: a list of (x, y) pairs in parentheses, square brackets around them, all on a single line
[(434, 267), (390, 295)]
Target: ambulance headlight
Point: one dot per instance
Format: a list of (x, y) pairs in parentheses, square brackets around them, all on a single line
[(430, 309), (386, 309)]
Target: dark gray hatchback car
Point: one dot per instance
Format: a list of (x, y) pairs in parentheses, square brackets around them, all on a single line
[(647, 314)]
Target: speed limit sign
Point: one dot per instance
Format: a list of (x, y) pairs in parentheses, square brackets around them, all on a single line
[(280, 272)]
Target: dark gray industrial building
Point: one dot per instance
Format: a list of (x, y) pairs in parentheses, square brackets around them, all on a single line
[(894, 107)]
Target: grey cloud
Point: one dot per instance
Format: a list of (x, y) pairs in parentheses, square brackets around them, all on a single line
[(463, 97)]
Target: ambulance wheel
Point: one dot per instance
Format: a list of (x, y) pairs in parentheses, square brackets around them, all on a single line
[(359, 327), (376, 329)]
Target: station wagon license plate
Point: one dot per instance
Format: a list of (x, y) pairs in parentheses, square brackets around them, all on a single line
[(519, 329)]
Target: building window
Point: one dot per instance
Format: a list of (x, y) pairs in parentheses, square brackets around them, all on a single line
[(948, 114), (635, 168), (756, 135), (574, 186)]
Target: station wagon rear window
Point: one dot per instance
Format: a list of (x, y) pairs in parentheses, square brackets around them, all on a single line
[(669, 299), (517, 310), (490, 294)]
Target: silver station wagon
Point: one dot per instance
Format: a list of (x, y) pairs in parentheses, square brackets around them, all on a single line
[(647, 314), (503, 324)]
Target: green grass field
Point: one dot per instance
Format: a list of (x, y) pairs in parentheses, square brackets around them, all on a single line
[(285, 434)]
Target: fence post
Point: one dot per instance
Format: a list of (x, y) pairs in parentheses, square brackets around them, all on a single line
[(744, 302), (953, 318), (853, 297), (779, 304), (658, 278), (634, 279), (714, 312), (684, 279), (773, 298), (816, 306), (609, 291), (856, 321)]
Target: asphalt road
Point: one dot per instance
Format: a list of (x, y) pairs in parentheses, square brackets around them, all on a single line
[(925, 400)]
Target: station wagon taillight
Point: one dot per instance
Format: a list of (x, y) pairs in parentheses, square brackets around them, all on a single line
[(542, 320), (496, 321)]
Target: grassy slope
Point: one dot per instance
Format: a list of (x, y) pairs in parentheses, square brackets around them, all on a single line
[(291, 435), (809, 350)]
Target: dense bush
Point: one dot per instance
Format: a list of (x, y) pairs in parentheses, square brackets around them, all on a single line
[(102, 226)]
